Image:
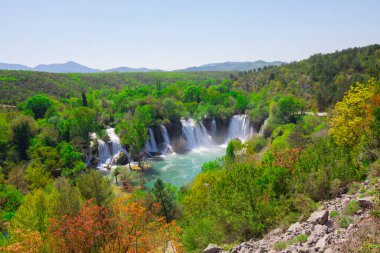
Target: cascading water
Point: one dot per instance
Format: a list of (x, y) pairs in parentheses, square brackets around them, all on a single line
[(167, 147), (115, 141), (213, 128), (239, 127), (109, 152), (104, 152), (195, 133), (151, 145)]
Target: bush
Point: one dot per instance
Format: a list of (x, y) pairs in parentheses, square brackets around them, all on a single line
[(302, 238), (257, 144), (344, 221)]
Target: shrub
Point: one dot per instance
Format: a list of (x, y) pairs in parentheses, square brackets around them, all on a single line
[(344, 221), (257, 144), (351, 208), (302, 238)]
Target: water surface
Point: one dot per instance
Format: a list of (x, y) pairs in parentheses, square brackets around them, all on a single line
[(181, 169)]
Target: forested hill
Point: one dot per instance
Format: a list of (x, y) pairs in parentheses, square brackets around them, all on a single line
[(16, 86), (322, 77)]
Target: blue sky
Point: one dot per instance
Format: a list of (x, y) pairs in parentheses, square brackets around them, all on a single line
[(172, 34)]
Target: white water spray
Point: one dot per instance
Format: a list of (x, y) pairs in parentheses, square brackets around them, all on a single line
[(195, 133), (167, 147), (240, 127), (151, 145)]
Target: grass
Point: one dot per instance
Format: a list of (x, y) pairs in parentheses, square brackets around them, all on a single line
[(351, 208), (334, 214), (302, 238), (280, 246), (353, 188)]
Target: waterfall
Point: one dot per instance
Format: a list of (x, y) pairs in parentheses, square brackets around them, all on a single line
[(115, 141), (167, 148), (151, 145), (239, 127), (195, 133), (108, 152), (213, 128), (104, 152)]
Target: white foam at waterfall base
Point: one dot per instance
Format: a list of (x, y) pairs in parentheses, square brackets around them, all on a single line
[(195, 134), (151, 144), (239, 127)]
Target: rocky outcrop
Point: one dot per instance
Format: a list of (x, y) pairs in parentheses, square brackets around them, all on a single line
[(121, 159), (212, 248), (329, 229)]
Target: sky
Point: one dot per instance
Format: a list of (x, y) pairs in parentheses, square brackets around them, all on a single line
[(174, 34)]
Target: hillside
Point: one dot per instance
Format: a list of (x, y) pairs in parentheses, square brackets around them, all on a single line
[(16, 86), (232, 66)]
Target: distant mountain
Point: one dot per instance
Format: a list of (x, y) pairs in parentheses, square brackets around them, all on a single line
[(127, 69), (68, 67), (232, 66), (73, 67), (8, 66)]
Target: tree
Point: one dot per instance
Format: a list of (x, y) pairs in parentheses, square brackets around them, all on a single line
[(351, 119), (95, 186), (23, 128), (16, 177), (36, 175), (134, 134), (164, 194), (288, 109), (10, 200), (82, 122), (140, 229), (68, 198), (85, 231), (5, 133), (34, 213), (38, 104), (71, 160)]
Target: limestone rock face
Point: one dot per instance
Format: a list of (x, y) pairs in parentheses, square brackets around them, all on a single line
[(319, 217), (212, 248), (324, 233), (121, 159)]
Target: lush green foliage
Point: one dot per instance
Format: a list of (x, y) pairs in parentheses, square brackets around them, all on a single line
[(47, 193)]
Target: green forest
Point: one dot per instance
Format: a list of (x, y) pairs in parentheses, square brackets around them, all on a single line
[(314, 133)]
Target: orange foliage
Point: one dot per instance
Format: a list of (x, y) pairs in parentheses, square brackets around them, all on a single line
[(140, 230), (90, 227), (286, 158), (127, 226), (25, 241)]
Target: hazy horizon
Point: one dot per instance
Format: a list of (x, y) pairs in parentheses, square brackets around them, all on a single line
[(172, 35)]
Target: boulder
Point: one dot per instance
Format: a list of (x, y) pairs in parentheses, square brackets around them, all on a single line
[(274, 233), (322, 243), (212, 248), (319, 217), (121, 159), (365, 202), (296, 227)]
